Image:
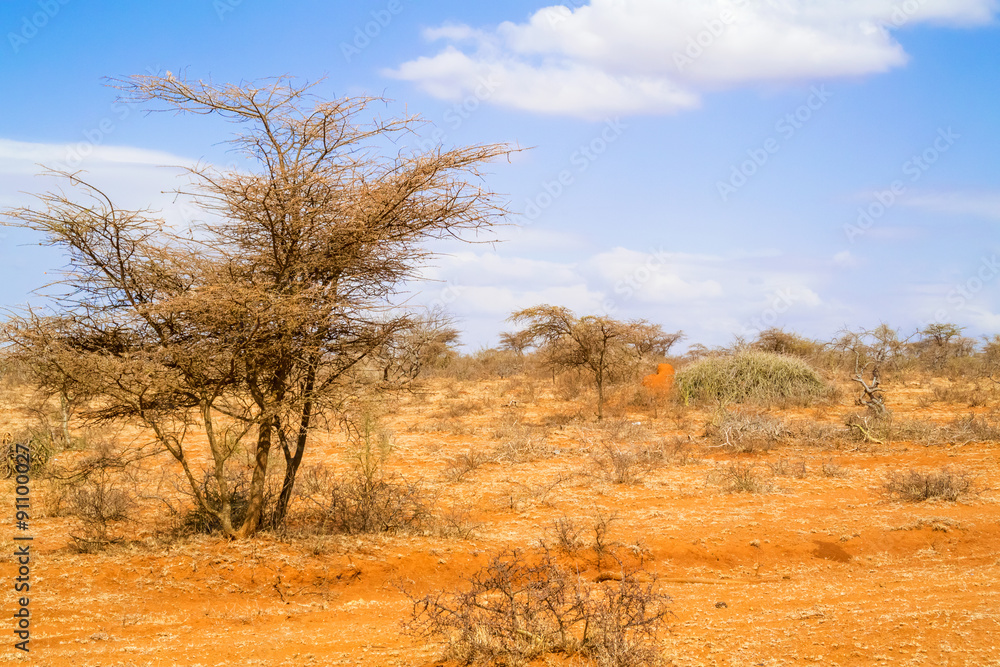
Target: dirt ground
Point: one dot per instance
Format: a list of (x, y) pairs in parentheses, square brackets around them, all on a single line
[(821, 567)]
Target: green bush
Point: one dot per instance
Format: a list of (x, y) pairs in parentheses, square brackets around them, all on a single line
[(750, 376)]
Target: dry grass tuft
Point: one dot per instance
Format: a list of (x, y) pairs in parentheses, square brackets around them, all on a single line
[(915, 487)]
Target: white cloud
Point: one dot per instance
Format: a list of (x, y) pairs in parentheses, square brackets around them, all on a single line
[(844, 258), (709, 296), (133, 178), (976, 204), (658, 56)]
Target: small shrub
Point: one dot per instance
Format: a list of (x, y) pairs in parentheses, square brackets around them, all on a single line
[(367, 498), (740, 432), (913, 486), (678, 450), (569, 536), (521, 607), (786, 468), (519, 442), (465, 463), (625, 465), (357, 503), (456, 522), (816, 434), (98, 495), (871, 426), (740, 478), (780, 341), (623, 430), (201, 520), (454, 409), (750, 376), (971, 396), (972, 428), (832, 469)]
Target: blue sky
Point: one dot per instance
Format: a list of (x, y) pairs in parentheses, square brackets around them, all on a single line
[(712, 166)]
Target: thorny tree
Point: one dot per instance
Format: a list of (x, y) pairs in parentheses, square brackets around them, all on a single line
[(602, 347), (874, 351), (266, 317)]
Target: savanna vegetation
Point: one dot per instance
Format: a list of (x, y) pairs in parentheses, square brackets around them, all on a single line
[(260, 384)]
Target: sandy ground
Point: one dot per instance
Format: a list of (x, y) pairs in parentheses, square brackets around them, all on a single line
[(821, 568)]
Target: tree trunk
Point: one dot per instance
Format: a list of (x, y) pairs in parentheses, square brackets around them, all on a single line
[(293, 460), (255, 508), (600, 398), (66, 413)]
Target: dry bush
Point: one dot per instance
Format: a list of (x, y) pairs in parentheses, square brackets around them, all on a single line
[(833, 469), (98, 492), (452, 426), (568, 535), (484, 364), (786, 468), (361, 501), (454, 409), (366, 498), (973, 428), (519, 390), (741, 432), (622, 454), (521, 607), (678, 450), (456, 521), (519, 493), (561, 420), (571, 386), (739, 478), (914, 486), (915, 430), (816, 434), (465, 463), (519, 442), (751, 376), (972, 396), (622, 430), (780, 341), (601, 544), (871, 426), (627, 464)]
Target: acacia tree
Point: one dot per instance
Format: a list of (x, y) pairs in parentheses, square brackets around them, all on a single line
[(429, 340), (268, 315), (602, 347)]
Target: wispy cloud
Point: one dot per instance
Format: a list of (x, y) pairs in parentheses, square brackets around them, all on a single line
[(134, 178), (985, 205)]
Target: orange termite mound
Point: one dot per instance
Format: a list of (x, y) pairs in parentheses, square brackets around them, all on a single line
[(662, 381)]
